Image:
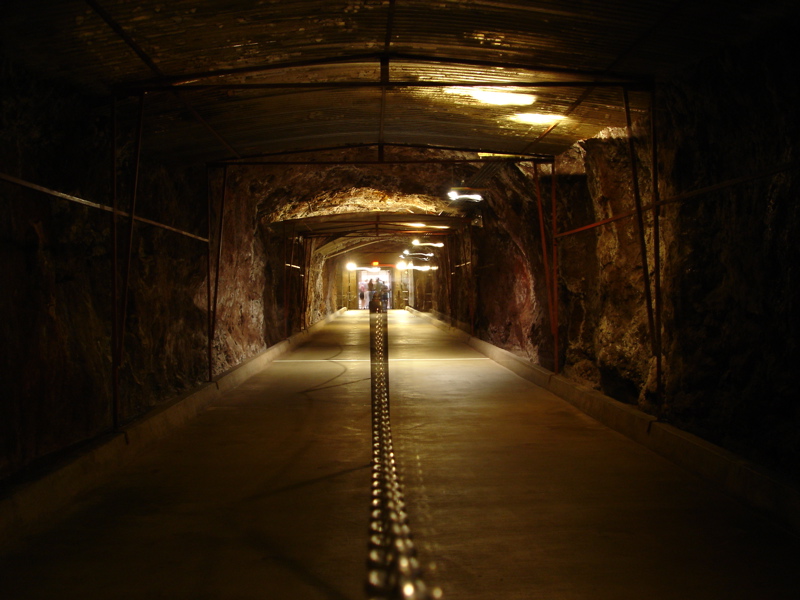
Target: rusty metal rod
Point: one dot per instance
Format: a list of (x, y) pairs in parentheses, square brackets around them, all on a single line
[(114, 269), (220, 230), (84, 202), (656, 244), (209, 325), (289, 280), (605, 74), (387, 43), (386, 161), (371, 84), (506, 157), (305, 277), (129, 256), (286, 264), (689, 195), (640, 221), (143, 56), (556, 359), (545, 259)]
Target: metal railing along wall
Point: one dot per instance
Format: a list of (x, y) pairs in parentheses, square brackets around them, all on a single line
[(394, 572)]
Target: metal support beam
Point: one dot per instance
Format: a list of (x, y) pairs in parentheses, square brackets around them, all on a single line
[(129, 256), (504, 156), (84, 202), (305, 275), (397, 84), (387, 44), (114, 271), (791, 166), (545, 259), (656, 245), (288, 285), (220, 231), (120, 31), (640, 221), (209, 326), (554, 273), (595, 76)]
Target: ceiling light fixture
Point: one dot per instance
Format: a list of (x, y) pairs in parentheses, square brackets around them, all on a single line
[(495, 96), (418, 243), (424, 225), (454, 195)]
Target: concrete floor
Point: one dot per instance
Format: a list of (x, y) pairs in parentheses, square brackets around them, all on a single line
[(512, 493)]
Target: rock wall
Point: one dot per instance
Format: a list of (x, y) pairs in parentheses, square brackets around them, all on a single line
[(729, 259), (56, 258), (241, 330), (731, 275)]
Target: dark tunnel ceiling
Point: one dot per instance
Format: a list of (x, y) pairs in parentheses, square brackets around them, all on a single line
[(230, 80)]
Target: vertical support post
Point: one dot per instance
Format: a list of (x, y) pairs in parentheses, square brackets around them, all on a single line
[(209, 326), (305, 275), (473, 284), (126, 280), (220, 230), (545, 258), (639, 220), (448, 255), (656, 244), (554, 273), (114, 271), (289, 285), (285, 283)]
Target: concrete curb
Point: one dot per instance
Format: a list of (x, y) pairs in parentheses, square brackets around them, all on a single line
[(741, 478), (29, 504)]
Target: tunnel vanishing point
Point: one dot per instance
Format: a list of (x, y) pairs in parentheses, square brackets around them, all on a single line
[(605, 194)]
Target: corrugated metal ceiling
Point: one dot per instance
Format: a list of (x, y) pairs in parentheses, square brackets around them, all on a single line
[(273, 76)]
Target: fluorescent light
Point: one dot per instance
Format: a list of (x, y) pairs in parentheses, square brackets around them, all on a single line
[(424, 225), (495, 96), (454, 195), (351, 266)]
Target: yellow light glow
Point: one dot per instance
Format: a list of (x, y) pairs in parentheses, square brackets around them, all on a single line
[(495, 96), (536, 118), (351, 266), (428, 226), (401, 265)]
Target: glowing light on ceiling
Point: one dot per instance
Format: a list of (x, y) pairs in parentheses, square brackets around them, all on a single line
[(536, 118), (424, 225), (410, 266), (418, 243), (495, 96), (454, 195)]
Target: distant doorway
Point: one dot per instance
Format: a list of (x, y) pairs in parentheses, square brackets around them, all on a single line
[(375, 282)]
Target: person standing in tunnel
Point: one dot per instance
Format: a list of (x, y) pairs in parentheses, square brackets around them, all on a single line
[(371, 289)]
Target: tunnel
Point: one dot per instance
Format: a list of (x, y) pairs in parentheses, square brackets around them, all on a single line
[(399, 299)]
